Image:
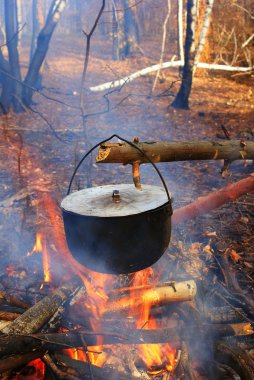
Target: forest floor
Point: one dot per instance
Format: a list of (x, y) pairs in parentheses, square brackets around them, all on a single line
[(217, 99)]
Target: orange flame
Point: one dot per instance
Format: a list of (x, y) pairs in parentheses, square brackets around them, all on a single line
[(153, 355), (37, 373), (40, 246)]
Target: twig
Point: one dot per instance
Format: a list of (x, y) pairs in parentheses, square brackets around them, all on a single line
[(163, 44), (37, 91), (14, 35)]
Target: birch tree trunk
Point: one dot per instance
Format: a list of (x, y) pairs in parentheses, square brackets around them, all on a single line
[(180, 29), (203, 33), (182, 98), (56, 9)]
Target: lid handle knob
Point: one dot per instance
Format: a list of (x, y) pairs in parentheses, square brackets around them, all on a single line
[(116, 196)]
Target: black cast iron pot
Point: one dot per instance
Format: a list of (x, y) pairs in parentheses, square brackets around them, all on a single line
[(117, 228)]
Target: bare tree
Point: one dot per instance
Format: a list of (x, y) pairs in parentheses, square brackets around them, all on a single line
[(16, 91), (182, 98)]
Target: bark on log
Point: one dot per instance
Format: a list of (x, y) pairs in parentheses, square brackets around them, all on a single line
[(214, 200), (176, 151), (35, 317), (179, 292)]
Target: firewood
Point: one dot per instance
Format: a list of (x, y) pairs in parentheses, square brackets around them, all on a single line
[(35, 317), (236, 358), (214, 200), (16, 361), (13, 300), (13, 344), (83, 370), (178, 292), (176, 151), (6, 316), (231, 329), (226, 314)]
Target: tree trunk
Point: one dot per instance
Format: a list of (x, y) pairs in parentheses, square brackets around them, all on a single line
[(11, 27), (182, 99), (38, 22), (180, 30), (203, 33), (56, 9), (131, 31), (115, 32)]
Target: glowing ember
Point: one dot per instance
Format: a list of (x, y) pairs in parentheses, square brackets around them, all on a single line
[(34, 370)]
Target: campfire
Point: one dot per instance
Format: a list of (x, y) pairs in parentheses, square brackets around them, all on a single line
[(59, 318)]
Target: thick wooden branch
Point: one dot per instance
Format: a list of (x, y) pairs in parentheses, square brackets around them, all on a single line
[(176, 151), (17, 344), (164, 65), (214, 200), (34, 318), (178, 292)]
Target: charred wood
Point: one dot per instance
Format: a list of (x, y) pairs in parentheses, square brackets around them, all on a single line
[(13, 344), (225, 314), (83, 370), (35, 317), (17, 361), (236, 358)]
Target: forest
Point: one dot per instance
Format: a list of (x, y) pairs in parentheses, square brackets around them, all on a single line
[(126, 189)]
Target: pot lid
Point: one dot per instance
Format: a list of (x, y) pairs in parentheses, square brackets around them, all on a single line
[(127, 200)]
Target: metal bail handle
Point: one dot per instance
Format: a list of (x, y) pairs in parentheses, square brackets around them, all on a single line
[(131, 144)]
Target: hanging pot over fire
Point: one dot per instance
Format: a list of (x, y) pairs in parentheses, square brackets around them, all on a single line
[(117, 228)]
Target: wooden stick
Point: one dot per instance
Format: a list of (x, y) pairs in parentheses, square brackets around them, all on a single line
[(214, 200), (35, 317), (176, 151), (179, 292)]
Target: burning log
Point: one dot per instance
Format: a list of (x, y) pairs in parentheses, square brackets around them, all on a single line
[(13, 344), (16, 361), (99, 373), (176, 151), (35, 317), (177, 292), (214, 200)]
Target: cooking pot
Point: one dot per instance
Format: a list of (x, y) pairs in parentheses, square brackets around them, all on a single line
[(117, 228)]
